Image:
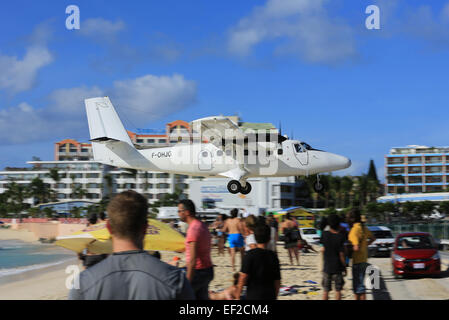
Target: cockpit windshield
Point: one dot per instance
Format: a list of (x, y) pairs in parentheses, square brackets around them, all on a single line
[(299, 148), (302, 147), (306, 146)]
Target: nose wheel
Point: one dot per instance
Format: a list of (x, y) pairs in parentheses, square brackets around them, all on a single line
[(318, 186), (235, 187)]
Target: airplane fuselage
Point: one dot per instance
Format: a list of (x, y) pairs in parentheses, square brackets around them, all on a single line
[(205, 159)]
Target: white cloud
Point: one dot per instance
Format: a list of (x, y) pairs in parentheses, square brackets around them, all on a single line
[(69, 103), (304, 26), (101, 29), (21, 124), (151, 97), (144, 99), (19, 75)]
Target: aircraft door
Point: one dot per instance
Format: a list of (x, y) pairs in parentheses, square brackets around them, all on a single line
[(205, 160), (301, 153)]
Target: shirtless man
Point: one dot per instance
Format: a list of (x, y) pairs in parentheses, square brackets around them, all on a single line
[(235, 238)]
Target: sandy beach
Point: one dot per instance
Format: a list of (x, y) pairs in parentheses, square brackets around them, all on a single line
[(49, 283)]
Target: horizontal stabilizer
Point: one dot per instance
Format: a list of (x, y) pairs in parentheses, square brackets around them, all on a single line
[(103, 140)]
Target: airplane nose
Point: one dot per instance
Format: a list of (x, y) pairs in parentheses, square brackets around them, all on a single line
[(347, 163), (343, 162)]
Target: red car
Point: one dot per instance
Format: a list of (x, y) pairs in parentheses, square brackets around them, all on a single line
[(415, 253)]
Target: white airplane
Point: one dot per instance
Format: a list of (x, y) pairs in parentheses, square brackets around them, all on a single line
[(221, 149)]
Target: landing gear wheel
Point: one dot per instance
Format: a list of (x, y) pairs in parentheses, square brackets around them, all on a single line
[(318, 186), (246, 189), (234, 186)]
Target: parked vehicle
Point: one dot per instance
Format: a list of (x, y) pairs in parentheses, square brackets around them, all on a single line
[(310, 235), (415, 253), (384, 241)]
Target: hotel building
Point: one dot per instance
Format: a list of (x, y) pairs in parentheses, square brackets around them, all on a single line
[(417, 169)]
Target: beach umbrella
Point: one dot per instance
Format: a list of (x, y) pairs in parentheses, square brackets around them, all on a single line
[(97, 239)]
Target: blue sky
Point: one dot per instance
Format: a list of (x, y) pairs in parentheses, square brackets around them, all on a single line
[(309, 64)]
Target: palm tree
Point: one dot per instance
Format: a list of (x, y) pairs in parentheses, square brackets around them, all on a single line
[(145, 185), (40, 190), (49, 212), (75, 212), (408, 209), (3, 204), (336, 188), (346, 187), (309, 181), (372, 210), (424, 208), (54, 175), (34, 212), (373, 189), (109, 184), (444, 207), (327, 185), (77, 191), (15, 196)]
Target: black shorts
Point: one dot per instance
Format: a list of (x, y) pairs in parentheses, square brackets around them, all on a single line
[(337, 278)]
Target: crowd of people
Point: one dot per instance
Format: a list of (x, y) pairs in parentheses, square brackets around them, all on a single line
[(130, 272)]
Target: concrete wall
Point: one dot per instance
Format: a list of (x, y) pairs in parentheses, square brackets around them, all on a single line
[(49, 230)]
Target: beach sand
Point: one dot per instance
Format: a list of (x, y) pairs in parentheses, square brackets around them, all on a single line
[(41, 284), (49, 283), (309, 269)]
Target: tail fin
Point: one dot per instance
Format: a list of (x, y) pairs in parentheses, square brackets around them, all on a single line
[(104, 122), (111, 143)]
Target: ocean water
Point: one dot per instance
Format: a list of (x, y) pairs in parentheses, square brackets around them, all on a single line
[(17, 256)]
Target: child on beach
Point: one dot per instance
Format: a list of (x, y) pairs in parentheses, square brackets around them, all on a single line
[(229, 293), (260, 272)]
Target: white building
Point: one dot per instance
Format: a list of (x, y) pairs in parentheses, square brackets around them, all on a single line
[(92, 177), (267, 193)]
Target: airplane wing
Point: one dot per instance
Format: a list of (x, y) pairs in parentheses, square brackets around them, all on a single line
[(217, 129)]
